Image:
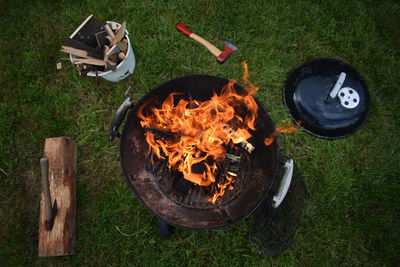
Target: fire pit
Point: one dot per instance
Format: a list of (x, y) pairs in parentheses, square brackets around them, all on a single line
[(153, 183), (219, 189)]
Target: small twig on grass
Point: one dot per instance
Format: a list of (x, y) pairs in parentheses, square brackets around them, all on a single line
[(1, 170), (138, 232)]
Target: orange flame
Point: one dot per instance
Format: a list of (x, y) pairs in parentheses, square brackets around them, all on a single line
[(292, 129), (202, 131), (246, 79), (222, 189)]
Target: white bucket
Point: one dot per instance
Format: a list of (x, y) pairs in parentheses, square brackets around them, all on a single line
[(124, 68)]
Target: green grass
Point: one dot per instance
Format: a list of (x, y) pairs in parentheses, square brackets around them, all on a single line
[(352, 214)]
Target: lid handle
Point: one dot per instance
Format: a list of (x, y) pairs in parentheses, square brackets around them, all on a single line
[(338, 85)]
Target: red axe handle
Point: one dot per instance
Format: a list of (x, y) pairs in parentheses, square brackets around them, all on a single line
[(182, 28)]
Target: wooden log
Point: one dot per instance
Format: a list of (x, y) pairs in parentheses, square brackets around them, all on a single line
[(78, 53), (61, 153), (124, 45), (114, 58), (119, 34), (115, 49), (112, 54), (105, 50), (121, 55), (113, 26), (111, 65), (91, 51), (244, 144), (93, 61), (109, 31)]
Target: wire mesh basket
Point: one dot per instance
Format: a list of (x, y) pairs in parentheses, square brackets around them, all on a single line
[(275, 226)]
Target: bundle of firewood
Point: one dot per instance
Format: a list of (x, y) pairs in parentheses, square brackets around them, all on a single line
[(96, 47)]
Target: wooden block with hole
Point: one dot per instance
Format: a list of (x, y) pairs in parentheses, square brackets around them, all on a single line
[(61, 154)]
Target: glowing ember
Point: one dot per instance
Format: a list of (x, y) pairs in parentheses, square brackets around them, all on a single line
[(196, 134)]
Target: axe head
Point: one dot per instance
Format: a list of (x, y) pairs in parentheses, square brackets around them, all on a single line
[(229, 48), (49, 224)]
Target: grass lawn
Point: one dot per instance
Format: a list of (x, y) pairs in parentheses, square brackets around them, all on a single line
[(352, 214)]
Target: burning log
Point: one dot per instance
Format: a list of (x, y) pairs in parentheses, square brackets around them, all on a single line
[(162, 134), (236, 136), (233, 158), (247, 146), (182, 186)]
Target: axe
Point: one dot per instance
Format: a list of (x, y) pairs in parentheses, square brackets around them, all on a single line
[(229, 48), (50, 211)]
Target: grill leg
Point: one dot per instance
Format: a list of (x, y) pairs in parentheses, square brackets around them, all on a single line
[(165, 228)]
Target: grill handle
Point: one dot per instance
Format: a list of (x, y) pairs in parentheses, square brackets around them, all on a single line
[(119, 118), (285, 183)]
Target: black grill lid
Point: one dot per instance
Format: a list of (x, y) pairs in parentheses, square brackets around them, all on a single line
[(326, 97)]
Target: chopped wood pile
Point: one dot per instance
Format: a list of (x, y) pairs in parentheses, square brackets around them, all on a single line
[(96, 47)]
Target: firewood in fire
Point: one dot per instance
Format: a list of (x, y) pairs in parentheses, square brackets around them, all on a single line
[(198, 168), (232, 157), (162, 134), (244, 144), (170, 136), (182, 186)]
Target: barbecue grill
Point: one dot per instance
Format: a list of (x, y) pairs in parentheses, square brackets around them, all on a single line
[(179, 203)]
